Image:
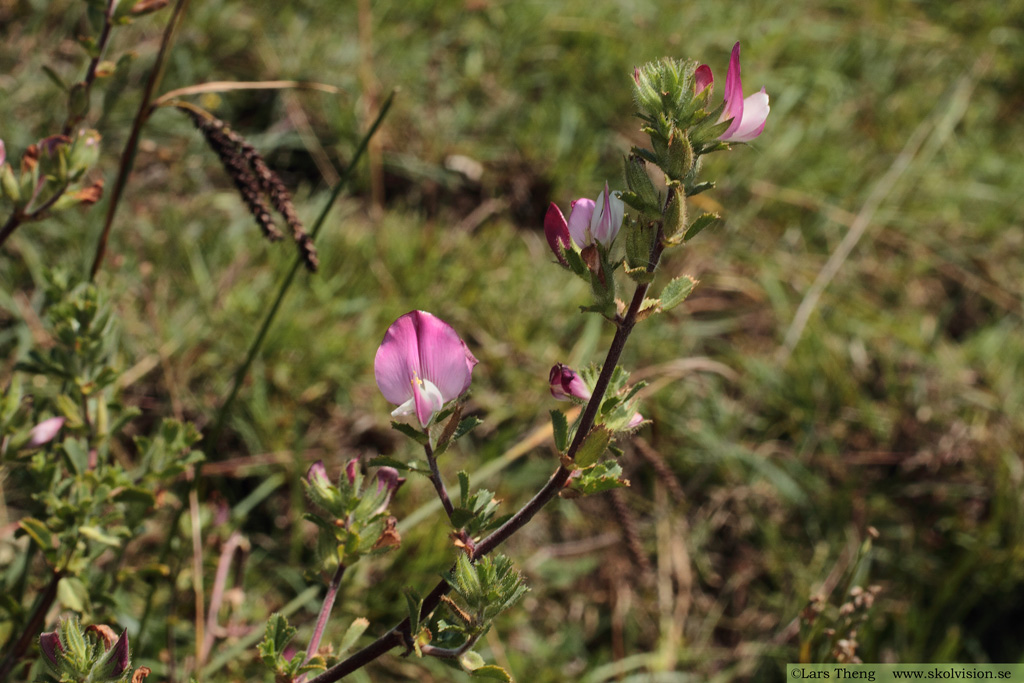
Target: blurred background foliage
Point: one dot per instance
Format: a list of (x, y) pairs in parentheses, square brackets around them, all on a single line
[(775, 446)]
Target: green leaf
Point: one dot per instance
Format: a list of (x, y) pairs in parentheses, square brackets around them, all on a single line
[(73, 594), (699, 223), (38, 532), (99, 536), (53, 76), (493, 672), (385, 461), (135, 494), (352, 633), (463, 487), (676, 292), (560, 429), (471, 661), (593, 446), (599, 478), (414, 602), (410, 431), (467, 425)]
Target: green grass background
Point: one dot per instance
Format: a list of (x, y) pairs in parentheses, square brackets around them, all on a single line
[(899, 407)]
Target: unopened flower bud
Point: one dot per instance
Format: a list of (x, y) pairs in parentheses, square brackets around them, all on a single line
[(351, 470), (51, 646), (702, 79), (556, 230), (565, 384)]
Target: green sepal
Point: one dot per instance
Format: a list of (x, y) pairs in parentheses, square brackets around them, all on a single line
[(640, 237), (9, 184), (642, 195), (699, 223), (560, 430), (679, 157), (576, 264), (593, 446), (674, 217)]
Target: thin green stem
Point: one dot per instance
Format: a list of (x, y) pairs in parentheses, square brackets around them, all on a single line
[(286, 284)]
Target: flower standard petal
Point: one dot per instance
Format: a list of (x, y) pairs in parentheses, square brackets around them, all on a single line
[(580, 215), (396, 362), (444, 358), (733, 95)]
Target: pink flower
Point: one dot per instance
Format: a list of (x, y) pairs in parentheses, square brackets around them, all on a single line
[(45, 431), (598, 221), (566, 384), (3, 153), (421, 365), (748, 115)]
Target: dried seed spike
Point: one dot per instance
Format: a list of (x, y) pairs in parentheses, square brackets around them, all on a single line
[(224, 144), (281, 199)]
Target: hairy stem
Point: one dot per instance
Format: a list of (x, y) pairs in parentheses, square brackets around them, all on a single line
[(435, 479)]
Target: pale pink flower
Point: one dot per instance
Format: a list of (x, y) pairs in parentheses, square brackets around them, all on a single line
[(596, 221), (748, 115)]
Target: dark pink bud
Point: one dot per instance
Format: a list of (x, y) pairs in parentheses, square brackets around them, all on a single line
[(351, 469), (565, 384), (50, 644), (702, 78), (556, 229), (119, 659)]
